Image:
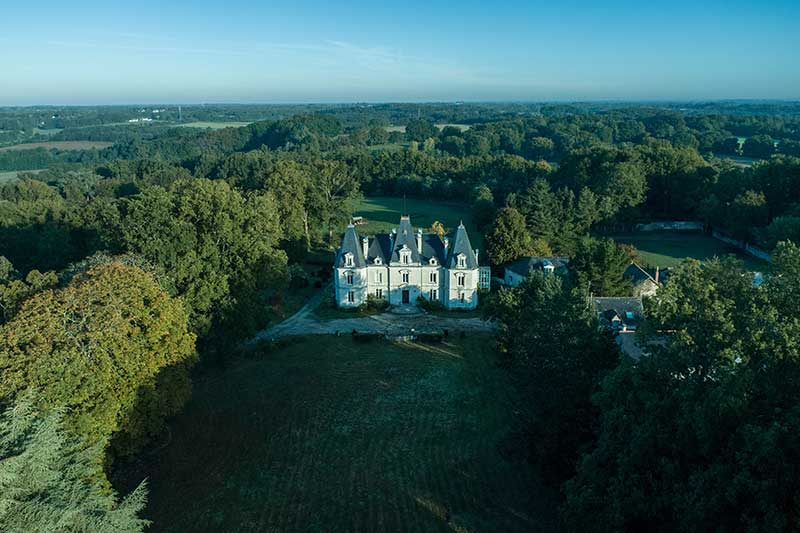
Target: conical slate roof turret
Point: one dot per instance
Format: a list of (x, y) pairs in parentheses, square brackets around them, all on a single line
[(461, 245), (405, 238), (350, 245)]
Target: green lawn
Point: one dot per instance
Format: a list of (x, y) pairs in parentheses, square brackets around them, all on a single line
[(383, 213), (8, 175), (330, 434), (667, 249), (214, 125)]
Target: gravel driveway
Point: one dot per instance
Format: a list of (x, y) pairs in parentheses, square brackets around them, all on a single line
[(304, 322)]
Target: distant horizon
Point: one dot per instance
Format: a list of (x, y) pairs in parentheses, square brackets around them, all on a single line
[(353, 51), (417, 102)]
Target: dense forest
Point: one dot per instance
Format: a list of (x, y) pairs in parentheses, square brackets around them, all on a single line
[(140, 265)]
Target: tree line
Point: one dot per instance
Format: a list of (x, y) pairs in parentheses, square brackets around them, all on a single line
[(697, 434)]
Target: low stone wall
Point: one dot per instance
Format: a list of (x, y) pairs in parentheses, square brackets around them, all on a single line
[(755, 251), (671, 225)]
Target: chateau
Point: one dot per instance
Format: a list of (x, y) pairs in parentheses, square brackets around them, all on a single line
[(406, 264)]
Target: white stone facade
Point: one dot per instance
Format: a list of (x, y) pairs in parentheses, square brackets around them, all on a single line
[(404, 265)]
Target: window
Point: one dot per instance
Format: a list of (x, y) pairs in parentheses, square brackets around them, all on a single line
[(351, 297), (348, 259), (405, 277), (379, 277), (433, 277), (460, 279), (461, 297), (406, 259), (432, 261), (349, 278), (377, 261), (434, 295), (462, 261), (484, 277), (379, 293)]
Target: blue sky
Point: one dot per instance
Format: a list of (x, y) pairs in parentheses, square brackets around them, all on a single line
[(101, 52)]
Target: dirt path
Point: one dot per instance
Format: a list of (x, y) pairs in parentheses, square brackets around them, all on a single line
[(305, 323)]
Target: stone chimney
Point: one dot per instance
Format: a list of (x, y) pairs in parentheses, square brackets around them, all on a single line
[(476, 256), (419, 241), (365, 246), (656, 276)]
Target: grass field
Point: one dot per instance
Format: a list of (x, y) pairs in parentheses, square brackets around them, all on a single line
[(59, 145), (214, 125), (402, 129), (328, 434), (667, 249), (383, 213), (8, 175)]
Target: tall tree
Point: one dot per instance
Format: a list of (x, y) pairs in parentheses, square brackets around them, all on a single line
[(115, 324), (49, 481), (509, 238), (549, 339), (701, 433), (599, 264)]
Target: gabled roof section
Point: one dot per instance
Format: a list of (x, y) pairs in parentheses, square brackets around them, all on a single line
[(379, 246), (460, 245), (432, 246), (637, 274), (525, 265), (405, 237), (350, 245)]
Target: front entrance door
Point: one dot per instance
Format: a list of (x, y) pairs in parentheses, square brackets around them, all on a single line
[(405, 296)]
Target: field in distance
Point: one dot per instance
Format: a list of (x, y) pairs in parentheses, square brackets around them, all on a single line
[(331, 434), (8, 175), (382, 213), (58, 145), (402, 129), (214, 125), (667, 249)]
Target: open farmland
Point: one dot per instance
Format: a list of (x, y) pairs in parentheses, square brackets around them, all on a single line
[(214, 125), (58, 145)]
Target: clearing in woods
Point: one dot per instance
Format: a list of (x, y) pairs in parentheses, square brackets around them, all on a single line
[(331, 434), (214, 125), (402, 129), (382, 213), (58, 145), (667, 249)]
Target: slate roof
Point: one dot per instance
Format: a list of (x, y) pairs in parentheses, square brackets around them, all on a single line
[(637, 274), (405, 237), (525, 265), (610, 307), (379, 246), (460, 245), (388, 246), (350, 244), (432, 246)]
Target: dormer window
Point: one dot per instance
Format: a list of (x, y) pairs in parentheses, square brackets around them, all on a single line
[(462, 261), (348, 259), (377, 261), (432, 261), (405, 255)]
